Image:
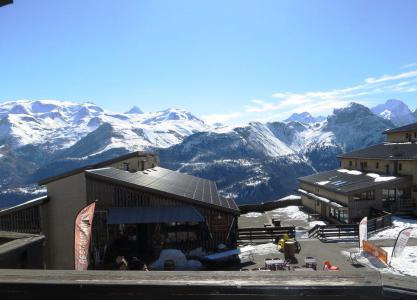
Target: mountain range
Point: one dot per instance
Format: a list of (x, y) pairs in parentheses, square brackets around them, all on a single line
[(252, 163)]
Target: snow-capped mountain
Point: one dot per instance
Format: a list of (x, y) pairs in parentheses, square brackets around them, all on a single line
[(261, 162), (304, 117), (56, 125), (256, 162), (134, 110), (396, 111)]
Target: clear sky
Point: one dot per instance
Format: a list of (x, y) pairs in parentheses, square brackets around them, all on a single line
[(228, 61)]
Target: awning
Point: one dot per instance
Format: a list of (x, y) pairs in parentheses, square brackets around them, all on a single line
[(142, 215)]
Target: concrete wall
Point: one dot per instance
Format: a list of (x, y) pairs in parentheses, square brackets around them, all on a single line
[(67, 197)]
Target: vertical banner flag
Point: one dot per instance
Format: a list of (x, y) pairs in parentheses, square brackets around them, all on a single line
[(83, 224), (401, 242), (363, 231)]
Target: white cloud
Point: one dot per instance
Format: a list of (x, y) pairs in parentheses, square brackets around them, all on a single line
[(409, 65), (322, 102), (282, 104)]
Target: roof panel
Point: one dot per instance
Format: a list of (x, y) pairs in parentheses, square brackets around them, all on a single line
[(344, 181), (163, 180), (389, 151)]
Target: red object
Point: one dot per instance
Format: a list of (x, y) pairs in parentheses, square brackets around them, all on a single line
[(328, 266), (82, 236)]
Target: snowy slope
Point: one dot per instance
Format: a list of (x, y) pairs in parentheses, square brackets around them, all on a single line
[(252, 163), (57, 125)]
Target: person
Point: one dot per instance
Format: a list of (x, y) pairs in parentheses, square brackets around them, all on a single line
[(122, 263)]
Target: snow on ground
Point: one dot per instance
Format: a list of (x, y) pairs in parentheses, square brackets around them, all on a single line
[(406, 264), (291, 212), (392, 232), (180, 260), (261, 249), (252, 215), (294, 213)]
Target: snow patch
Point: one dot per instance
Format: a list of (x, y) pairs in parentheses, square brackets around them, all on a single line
[(392, 232), (252, 215), (179, 258), (322, 182), (261, 249), (379, 178), (290, 197), (406, 264), (351, 172), (387, 178)]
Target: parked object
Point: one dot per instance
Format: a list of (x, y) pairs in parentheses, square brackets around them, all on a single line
[(276, 222), (289, 250), (169, 265), (327, 265), (310, 262), (285, 238)]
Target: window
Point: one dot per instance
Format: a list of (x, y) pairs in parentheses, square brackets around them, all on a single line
[(126, 166), (408, 136), (388, 195), (368, 195), (400, 167), (350, 163), (387, 169), (339, 214), (377, 165), (415, 134)]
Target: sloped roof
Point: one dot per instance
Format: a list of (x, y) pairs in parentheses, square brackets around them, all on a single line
[(409, 127), (171, 183), (346, 182), (387, 151)]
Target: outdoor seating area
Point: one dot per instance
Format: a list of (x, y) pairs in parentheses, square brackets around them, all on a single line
[(279, 264)]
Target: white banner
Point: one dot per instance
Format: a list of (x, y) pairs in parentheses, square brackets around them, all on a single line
[(401, 242), (363, 231)]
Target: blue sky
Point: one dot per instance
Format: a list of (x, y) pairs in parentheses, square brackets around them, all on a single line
[(228, 61)]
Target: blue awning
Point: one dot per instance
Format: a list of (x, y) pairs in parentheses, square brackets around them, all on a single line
[(142, 215)]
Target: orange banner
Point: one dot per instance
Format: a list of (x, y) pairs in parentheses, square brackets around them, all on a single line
[(376, 251), (82, 235)]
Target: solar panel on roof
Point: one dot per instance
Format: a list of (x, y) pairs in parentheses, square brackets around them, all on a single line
[(170, 182)]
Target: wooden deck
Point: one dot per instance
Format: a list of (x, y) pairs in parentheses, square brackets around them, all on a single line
[(25, 284)]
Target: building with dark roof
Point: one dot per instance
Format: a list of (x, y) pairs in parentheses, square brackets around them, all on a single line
[(140, 209), (382, 177)]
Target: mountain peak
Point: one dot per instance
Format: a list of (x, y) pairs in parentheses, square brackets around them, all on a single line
[(304, 117), (396, 111), (134, 110)]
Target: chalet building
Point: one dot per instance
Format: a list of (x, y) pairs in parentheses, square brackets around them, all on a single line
[(379, 177), (140, 209)]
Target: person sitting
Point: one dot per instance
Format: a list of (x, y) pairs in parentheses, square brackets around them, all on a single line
[(122, 263)]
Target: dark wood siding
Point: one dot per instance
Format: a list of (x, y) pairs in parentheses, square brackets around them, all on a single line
[(221, 225), (26, 220)]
